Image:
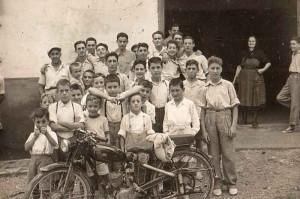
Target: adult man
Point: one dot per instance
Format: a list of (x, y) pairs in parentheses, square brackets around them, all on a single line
[(91, 44), (80, 49), (159, 49), (174, 29)]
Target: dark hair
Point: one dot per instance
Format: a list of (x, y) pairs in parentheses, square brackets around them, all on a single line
[(176, 82), (79, 42), (101, 44), (74, 64), (174, 25), (214, 59), (158, 32), (122, 34), (133, 47), (111, 54), (129, 98), (143, 45), (90, 71), (92, 98), (139, 61), (178, 33), (146, 84), (296, 38), (98, 75), (191, 62), (173, 42), (189, 37), (39, 113), (91, 39), (76, 86), (111, 78), (63, 82), (154, 60), (48, 96)]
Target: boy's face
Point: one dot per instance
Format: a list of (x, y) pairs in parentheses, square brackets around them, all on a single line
[(140, 71), (101, 51), (55, 56), (122, 43), (142, 53), (155, 70), (176, 92), (112, 88), (145, 93), (135, 103), (40, 122), (172, 50), (93, 106), (87, 78), (134, 50), (112, 64), (157, 40), (64, 93), (98, 82), (173, 30), (76, 72), (214, 70), (46, 101), (192, 71), (188, 45), (178, 38), (80, 50), (76, 96), (91, 47), (294, 45)]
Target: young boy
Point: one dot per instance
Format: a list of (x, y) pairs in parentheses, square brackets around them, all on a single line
[(40, 144), (160, 92), (157, 38), (136, 125), (171, 67), (46, 100), (65, 116), (180, 113), (289, 95), (77, 93), (219, 115), (75, 74), (145, 92), (139, 69), (87, 79), (125, 57)]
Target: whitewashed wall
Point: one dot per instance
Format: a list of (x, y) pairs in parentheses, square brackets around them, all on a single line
[(30, 27)]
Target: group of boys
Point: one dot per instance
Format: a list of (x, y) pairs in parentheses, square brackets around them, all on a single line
[(107, 79)]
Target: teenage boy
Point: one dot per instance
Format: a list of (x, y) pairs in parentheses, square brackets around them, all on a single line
[(91, 44), (157, 39), (75, 74), (145, 92), (219, 115), (80, 49), (125, 57), (289, 95), (160, 92), (139, 70), (174, 29), (65, 116), (51, 73), (189, 44), (142, 54), (77, 93), (99, 61), (178, 37)]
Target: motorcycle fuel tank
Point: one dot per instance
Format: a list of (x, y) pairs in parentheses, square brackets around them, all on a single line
[(107, 153)]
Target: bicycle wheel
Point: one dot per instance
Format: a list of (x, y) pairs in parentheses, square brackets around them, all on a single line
[(53, 184), (197, 176)]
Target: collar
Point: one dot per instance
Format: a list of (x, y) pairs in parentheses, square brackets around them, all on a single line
[(187, 83), (162, 79), (60, 66), (60, 104), (209, 82), (119, 52), (131, 114), (163, 48), (181, 103)]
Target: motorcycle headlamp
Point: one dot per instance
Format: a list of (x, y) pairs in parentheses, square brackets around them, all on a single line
[(64, 145)]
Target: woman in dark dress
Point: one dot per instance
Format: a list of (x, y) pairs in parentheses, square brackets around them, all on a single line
[(251, 85)]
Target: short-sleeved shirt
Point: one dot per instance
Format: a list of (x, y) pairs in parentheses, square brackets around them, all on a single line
[(99, 66), (77, 81), (192, 92), (51, 76), (160, 93), (150, 110), (114, 111), (124, 82), (221, 95), (86, 65), (42, 145), (2, 86), (68, 112), (295, 64), (125, 60), (170, 70), (98, 125), (203, 64), (155, 53), (181, 119)]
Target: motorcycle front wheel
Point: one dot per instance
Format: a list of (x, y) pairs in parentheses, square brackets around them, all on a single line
[(55, 184), (197, 176)]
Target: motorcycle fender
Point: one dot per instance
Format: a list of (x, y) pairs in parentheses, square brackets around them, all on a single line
[(53, 166)]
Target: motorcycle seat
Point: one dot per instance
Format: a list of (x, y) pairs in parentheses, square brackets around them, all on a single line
[(183, 140), (142, 147)]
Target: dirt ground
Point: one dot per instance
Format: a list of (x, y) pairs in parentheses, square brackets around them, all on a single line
[(269, 174)]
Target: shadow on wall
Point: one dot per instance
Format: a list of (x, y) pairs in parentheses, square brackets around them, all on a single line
[(21, 98)]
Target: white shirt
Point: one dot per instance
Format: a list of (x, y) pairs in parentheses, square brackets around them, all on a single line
[(150, 111), (51, 76), (160, 93)]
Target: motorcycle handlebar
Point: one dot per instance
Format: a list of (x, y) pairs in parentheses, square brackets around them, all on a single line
[(91, 136)]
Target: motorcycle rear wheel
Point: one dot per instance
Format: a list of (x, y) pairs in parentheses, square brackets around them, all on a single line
[(49, 185), (197, 173)]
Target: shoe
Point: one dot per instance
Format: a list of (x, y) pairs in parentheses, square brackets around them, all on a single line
[(217, 192), (233, 191), (289, 129)]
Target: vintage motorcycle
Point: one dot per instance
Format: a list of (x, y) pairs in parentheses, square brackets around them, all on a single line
[(189, 174)]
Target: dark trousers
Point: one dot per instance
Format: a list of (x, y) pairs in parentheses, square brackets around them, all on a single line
[(159, 120)]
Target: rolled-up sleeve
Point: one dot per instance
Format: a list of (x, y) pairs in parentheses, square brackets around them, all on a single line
[(122, 131), (232, 95), (52, 113)]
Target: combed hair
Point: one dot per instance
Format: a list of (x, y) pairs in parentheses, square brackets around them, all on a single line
[(111, 78), (74, 64), (49, 96), (122, 34), (146, 84), (296, 38), (39, 113), (76, 87), (99, 75), (214, 59), (79, 42), (174, 25), (136, 94), (139, 61), (176, 82), (173, 42), (191, 62), (189, 37), (91, 97), (143, 45), (158, 32), (154, 60), (102, 44), (178, 33), (111, 54), (63, 82), (133, 47), (90, 71), (91, 39)]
